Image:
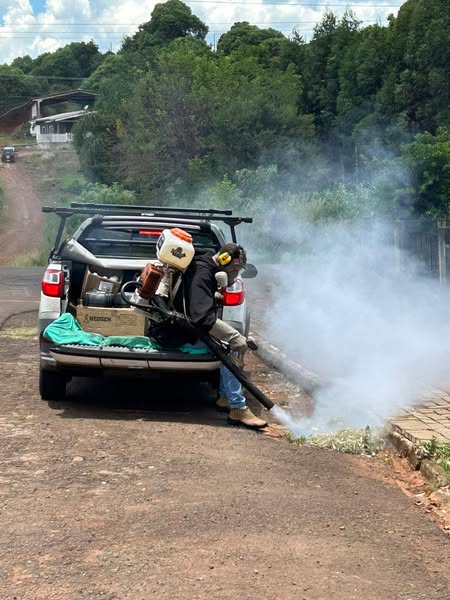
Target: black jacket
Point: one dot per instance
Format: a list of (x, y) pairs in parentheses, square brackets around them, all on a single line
[(199, 286)]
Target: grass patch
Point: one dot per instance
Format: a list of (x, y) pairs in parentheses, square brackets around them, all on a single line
[(366, 442), (37, 258), (6, 139), (18, 333), (57, 174)]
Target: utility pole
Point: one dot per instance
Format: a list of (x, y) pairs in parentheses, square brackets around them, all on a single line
[(442, 252)]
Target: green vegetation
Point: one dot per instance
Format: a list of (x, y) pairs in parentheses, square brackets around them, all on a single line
[(27, 77), (10, 140), (349, 441), (353, 123), (438, 452), (60, 182)]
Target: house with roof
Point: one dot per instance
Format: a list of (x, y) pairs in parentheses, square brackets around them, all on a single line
[(56, 129), (44, 106)]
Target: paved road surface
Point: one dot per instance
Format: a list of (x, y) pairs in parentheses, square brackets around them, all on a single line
[(19, 290)]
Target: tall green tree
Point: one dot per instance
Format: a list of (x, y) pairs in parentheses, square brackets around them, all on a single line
[(170, 20), (16, 87), (428, 158), (76, 60)]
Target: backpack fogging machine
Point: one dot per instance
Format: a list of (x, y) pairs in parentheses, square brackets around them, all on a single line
[(152, 294)]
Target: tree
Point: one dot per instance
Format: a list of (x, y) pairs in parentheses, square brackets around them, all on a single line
[(169, 21), (173, 117), (17, 87), (416, 87), (97, 144), (166, 122), (332, 36), (24, 63), (74, 61), (244, 34), (428, 157)]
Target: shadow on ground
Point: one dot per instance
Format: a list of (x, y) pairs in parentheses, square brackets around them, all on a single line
[(163, 400)]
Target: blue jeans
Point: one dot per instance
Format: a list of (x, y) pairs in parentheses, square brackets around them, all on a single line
[(229, 386), (231, 389)]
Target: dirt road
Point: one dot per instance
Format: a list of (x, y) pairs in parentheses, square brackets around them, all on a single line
[(142, 491), (22, 231)]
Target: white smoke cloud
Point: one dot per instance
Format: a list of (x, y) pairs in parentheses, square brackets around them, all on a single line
[(374, 326), (26, 30)]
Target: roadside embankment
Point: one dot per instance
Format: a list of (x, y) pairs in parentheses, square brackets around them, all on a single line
[(21, 230)]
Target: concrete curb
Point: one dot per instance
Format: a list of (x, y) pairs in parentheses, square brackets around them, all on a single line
[(429, 469), (274, 357)]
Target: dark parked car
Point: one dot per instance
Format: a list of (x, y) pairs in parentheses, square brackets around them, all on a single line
[(8, 154)]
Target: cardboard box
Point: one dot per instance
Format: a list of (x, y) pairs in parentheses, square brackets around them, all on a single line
[(101, 282), (111, 321)]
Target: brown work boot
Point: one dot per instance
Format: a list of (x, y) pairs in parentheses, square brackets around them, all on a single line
[(222, 404), (244, 416)]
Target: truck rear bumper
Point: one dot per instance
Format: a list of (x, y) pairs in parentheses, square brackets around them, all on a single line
[(110, 359)]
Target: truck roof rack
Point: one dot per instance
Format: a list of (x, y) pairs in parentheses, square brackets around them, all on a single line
[(185, 217), (66, 211), (159, 209)]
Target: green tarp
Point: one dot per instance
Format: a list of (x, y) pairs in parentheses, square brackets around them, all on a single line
[(67, 330)]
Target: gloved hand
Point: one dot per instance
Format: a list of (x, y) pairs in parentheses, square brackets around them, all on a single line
[(252, 344), (224, 332)]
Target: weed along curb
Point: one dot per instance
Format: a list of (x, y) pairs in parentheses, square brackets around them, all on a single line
[(274, 357), (410, 447), (414, 453)]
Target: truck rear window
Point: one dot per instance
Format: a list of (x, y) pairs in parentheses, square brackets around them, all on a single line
[(136, 243)]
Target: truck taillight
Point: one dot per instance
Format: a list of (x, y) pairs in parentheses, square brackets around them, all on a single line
[(53, 283), (234, 294)]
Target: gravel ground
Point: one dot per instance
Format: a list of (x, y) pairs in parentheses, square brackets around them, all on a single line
[(135, 491)]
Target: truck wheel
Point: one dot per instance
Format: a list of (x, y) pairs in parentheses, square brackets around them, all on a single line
[(52, 386), (214, 382)]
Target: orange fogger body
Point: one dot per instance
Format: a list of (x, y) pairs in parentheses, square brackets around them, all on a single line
[(150, 278)]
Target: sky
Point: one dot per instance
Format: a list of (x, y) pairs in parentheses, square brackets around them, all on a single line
[(36, 26)]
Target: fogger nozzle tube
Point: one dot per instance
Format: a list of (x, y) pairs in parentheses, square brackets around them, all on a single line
[(217, 349), (213, 345)]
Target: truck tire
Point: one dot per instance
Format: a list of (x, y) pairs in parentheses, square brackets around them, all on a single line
[(52, 385), (214, 382)]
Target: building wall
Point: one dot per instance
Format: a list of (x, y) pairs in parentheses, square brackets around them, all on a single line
[(53, 133), (53, 138)]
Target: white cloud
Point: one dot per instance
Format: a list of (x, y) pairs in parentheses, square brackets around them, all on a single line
[(23, 31)]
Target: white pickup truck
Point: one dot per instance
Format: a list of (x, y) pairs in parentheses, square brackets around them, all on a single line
[(121, 240)]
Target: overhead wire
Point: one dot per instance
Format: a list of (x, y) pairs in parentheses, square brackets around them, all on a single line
[(8, 33), (313, 4)]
